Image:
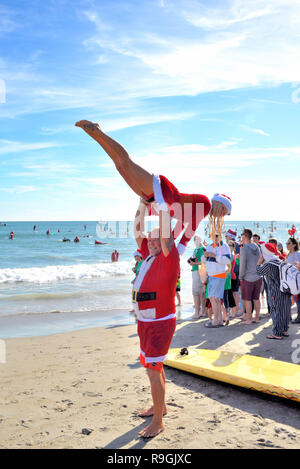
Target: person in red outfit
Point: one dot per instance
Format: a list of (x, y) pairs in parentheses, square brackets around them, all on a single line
[(154, 305), (188, 209)]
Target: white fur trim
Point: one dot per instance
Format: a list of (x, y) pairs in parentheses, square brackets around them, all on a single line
[(155, 359), (137, 253), (181, 248), (158, 195), (141, 317), (146, 315), (142, 272), (224, 201)]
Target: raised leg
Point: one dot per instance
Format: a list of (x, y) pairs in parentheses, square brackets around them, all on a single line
[(136, 177)]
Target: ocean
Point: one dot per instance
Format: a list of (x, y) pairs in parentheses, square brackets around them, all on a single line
[(49, 286)]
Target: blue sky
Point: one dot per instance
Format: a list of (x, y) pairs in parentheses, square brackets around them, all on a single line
[(204, 92)]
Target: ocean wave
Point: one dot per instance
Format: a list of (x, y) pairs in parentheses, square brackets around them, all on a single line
[(56, 273)]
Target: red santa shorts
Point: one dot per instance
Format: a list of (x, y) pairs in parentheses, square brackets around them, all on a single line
[(155, 339)]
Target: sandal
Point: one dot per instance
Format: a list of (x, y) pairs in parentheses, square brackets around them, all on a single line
[(276, 337), (211, 326)]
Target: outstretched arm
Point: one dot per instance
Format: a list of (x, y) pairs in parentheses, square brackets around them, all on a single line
[(139, 223), (166, 237)]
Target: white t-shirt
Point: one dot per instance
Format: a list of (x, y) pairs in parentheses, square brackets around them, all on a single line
[(293, 258)]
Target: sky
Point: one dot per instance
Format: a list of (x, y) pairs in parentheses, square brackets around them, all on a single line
[(206, 93)]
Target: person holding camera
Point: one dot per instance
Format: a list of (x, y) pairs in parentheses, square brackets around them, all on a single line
[(217, 257), (197, 285)]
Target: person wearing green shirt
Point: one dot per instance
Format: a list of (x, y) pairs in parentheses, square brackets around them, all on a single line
[(138, 262), (197, 287)]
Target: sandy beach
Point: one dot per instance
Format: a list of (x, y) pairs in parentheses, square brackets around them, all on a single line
[(84, 389)]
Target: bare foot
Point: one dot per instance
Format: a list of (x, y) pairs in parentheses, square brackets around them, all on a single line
[(152, 430), (246, 322), (149, 412), (88, 126)]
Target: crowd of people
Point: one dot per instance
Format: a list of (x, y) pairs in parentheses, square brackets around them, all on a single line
[(231, 280)]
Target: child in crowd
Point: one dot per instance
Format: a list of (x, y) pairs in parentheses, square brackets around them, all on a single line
[(138, 262)]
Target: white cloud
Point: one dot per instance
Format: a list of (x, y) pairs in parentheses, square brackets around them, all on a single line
[(184, 48), (9, 146), (110, 125), (232, 13), (256, 131), (216, 166), (7, 23), (223, 167), (255, 40), (19, 189)]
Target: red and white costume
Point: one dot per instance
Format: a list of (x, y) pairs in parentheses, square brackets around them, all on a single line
[(188, 209), (154, 292)]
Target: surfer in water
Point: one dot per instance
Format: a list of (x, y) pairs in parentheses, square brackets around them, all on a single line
[(187, 209)]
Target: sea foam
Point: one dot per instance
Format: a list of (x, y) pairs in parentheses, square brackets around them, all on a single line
[(56, 273)]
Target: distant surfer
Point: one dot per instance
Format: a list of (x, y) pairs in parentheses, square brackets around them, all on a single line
[(11, 235), (159, 189), (76, 239), (115, 256)]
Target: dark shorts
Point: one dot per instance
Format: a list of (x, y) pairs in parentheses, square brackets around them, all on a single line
[(235, 284), (251, 290)]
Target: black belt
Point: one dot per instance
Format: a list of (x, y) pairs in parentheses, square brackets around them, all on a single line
[(143, 296)]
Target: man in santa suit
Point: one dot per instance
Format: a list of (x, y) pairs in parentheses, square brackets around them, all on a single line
[(154, 304)]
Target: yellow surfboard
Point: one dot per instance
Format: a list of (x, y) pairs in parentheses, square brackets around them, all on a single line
[(261, 374)]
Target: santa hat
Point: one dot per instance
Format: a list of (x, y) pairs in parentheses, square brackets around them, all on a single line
[(231, 234), (138, 252), (224, 199), (269, 251)]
